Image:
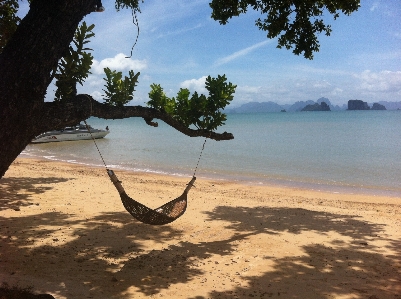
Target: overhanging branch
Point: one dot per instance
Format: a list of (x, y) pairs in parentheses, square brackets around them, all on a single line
[(148, 114), (83, 106)]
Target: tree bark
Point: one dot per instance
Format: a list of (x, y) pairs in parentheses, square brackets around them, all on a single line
[(26, 66)]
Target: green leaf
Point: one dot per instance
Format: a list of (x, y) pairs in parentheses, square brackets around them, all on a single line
[(75, 66), (295, 23), (130, 4), (203, 112), (118, 90)]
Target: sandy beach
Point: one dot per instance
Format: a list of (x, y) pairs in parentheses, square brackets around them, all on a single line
[(65, 232)]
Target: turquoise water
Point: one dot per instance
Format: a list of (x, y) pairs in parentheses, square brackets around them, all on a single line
[(346, 151)]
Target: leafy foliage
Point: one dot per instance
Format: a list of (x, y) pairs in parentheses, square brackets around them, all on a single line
[(8, 20), (133, 4), (198, 110), (74, 67), (296, 22), (119, 91)]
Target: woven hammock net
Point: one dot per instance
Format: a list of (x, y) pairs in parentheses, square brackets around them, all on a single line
[(165, 214)]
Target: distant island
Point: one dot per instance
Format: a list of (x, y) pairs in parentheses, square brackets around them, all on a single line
[(360, 105), (316, 107), (264, 107)]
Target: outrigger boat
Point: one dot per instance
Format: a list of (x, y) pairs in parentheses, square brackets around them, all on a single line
[(79, 132)]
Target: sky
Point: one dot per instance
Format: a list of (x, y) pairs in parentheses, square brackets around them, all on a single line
[(179, 45)]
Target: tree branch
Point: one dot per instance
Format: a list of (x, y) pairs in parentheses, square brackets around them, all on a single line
[(148, 114), (58, 115)]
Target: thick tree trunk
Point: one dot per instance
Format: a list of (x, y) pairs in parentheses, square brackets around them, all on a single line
[(26, 65)]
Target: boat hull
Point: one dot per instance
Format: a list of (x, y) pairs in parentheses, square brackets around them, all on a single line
[(70, 135)]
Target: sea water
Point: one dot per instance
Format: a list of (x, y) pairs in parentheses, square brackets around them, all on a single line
[(345, 151)]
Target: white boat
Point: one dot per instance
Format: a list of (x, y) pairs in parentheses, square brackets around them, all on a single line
[(79, 132)]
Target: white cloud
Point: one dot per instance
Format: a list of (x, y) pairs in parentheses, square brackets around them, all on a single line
[(337, 91), (374, 6), (94, 81), (247, 89), (179, 31), (120, 62), (240, 53), (195, 85), (322, 85), (97, 95), (384, 81), (320, 71)]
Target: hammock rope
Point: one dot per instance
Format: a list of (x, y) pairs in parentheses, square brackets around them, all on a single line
[(164, 214), (200, 156), (135, 21)]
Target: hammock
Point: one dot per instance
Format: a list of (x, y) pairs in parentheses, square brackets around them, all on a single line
[(162, 215)]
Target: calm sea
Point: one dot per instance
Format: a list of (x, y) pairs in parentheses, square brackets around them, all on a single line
[(347, 151)]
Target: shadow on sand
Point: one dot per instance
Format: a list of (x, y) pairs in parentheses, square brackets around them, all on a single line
[(111, 247)]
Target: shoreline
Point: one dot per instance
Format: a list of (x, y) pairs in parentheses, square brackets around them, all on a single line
[(282, 187), (279, 187), (65, 232), (255, 181)]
